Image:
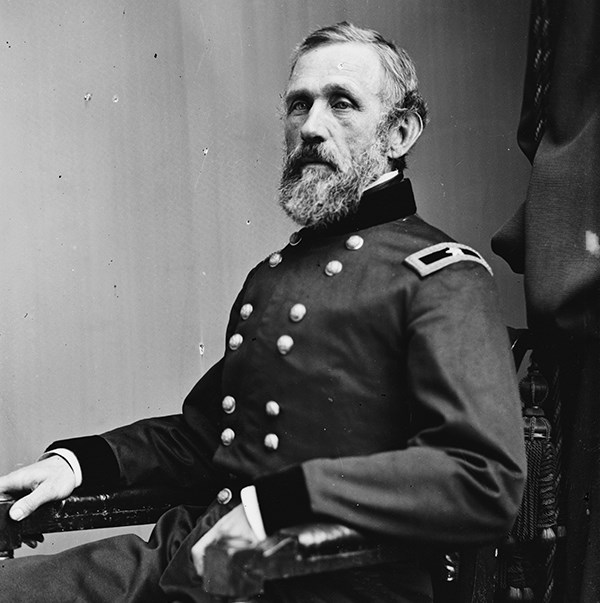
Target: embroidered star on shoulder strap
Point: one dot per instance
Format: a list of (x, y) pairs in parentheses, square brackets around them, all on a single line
[(434, 258)]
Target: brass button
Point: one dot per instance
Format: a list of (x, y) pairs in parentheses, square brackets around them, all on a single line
[(271, 441), (297, 312), (295, 238), (227, 436), (224, 496), (228, 404), (354, 242), (275, 259), (245, 311), (284, 344), (272, 408), (334, 267), (235, 341)]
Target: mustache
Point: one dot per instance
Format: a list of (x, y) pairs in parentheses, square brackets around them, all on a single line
[(310, 153)]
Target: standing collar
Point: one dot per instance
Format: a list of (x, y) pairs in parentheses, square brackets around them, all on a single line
[(387, 201), (384, 178)]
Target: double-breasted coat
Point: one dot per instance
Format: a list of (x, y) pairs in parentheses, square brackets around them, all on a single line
[(366, 378)]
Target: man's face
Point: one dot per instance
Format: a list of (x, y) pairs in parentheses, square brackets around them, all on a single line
[(333, 113), (333, 98)]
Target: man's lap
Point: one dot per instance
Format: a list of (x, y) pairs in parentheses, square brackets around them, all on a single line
[(127, 569), (122, 569)]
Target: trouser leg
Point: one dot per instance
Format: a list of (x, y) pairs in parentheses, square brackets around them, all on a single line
[(126, 569), (122, 569)]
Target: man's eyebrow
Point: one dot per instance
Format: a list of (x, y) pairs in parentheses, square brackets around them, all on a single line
[(294, 93), (333, 88)]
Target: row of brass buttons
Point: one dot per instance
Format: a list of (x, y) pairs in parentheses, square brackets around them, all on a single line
[(284, 343), (272, 409), (353, 243), (271, 440)]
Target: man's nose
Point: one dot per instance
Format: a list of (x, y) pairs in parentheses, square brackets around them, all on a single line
[(315, 128)]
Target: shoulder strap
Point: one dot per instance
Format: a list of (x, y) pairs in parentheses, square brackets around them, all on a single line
[(434, 258)]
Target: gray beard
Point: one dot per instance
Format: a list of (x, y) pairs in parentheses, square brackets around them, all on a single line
[(311, 196)]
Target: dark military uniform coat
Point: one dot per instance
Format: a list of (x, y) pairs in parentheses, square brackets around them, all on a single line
[(364, 381)]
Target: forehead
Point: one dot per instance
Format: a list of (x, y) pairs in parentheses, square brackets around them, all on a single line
[(349, 63)]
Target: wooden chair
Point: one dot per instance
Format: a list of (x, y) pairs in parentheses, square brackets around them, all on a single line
[(85, 511), (237, 571)]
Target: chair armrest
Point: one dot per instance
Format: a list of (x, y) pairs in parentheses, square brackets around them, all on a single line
[(97, 510), (238, 569)]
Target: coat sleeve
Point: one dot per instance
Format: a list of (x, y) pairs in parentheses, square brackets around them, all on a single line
[(174, 450), (459, 480)]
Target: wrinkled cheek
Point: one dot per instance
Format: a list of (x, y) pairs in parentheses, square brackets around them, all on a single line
[(292, 137), (290, 144)]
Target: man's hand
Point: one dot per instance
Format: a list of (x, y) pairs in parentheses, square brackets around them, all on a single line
[(49, 479), (234, 524)]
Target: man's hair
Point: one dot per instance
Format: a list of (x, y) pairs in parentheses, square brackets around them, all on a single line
[(400, 87)]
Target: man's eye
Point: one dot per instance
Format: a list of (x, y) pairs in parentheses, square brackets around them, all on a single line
[(298, 106), (343, 105)]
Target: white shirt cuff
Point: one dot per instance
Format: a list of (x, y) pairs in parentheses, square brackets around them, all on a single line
[(252, 511), (71, 459)]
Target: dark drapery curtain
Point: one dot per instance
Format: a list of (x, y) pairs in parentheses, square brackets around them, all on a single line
[(555, 236), (554, 239)]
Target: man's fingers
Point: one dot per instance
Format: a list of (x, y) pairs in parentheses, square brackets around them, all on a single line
[(12, 482), (199, 563), (32, 540), (11, 486), (198, 552), (22, 508), (28, 504), (49, 479)]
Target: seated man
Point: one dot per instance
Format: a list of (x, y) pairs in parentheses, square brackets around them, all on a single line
[(366, 379)]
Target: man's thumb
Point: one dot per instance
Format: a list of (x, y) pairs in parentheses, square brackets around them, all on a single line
[(27, 505)]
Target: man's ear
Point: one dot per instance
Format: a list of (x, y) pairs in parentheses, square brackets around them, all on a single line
[(404, 135)]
